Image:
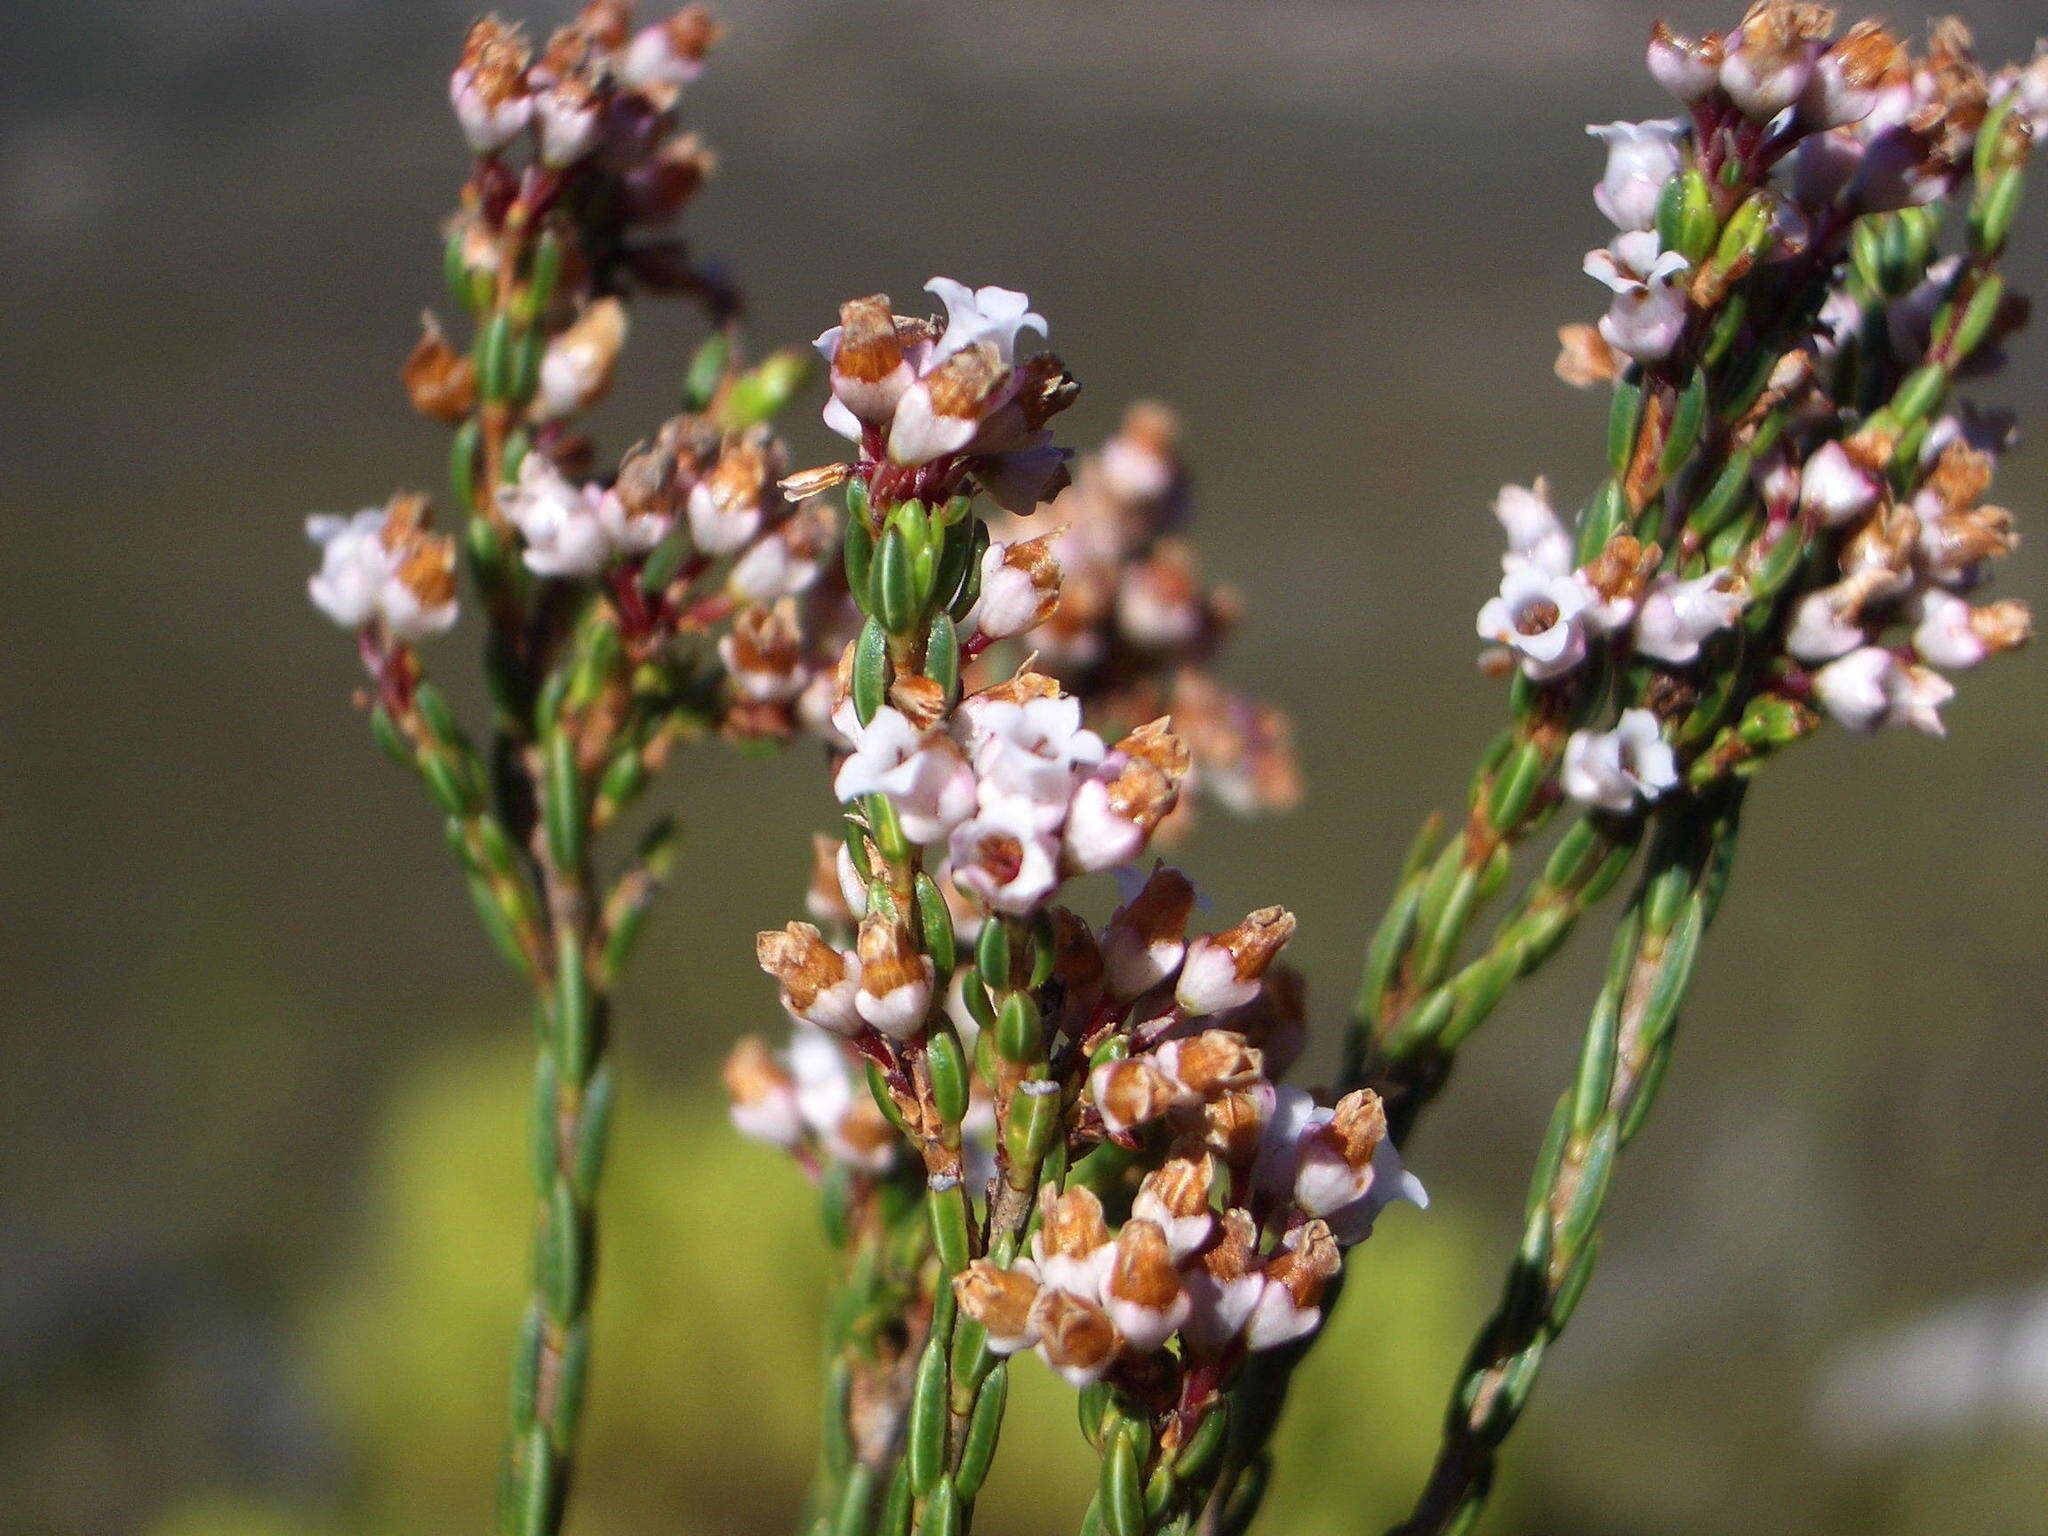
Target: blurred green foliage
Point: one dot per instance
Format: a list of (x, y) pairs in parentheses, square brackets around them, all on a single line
[(705, 1394)]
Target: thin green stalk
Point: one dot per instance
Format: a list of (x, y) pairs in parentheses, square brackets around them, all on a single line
[(1628, 1045)]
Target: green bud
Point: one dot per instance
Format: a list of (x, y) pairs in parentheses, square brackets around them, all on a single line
[(1687, 416), (575, 1009), (936, 923), (948, 1203), (706, 371), (1515, 785), (1596, 1065), (948, 1069), (858, 547), (970, 582), (1624, 415), (1688, 225), (1033, 1122), (885, 1101), (764, 392), (1604, 517), (925, 1440), (462, 464), (978, 1451), (1919, 395), (884, 827), (870, 670), (1730, 493), (1596, 1164), (1992, 215), (942, 655), (494, 357), (895, 582), (992, 954), (1978, 317), (563, 795), (1020, 1031), (1122, 1499)]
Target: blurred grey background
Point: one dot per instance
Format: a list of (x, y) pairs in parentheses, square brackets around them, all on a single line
[(1338, 236)]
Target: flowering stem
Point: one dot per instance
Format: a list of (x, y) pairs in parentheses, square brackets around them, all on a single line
[(1628, 1045)]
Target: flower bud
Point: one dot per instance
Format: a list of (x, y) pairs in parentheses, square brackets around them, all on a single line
[(1336, 1157), (1222, 970), (1210, 1064), (663, 58), (1175, 1198), (1688, 67), (488, 88), (1290, 1304), (764, 1103), (895, 977), (1117, 808), (1075, 1337), (1071, 1247), (727, 506), (577, 368), (1836, 487), (1144, 942), (819, 983), (1767, 61), (941, 412), (1143, 1294), (440, 382), (1224, 1288), (1020, 587), (1001, 1300), (763, 654), (1130, 1093)]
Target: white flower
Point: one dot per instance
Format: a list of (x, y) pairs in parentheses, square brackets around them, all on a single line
[(942, 412), (1677, 615), (488, 89), (772, 569), (1613, 769), (1827, 623), (1210, 980), (375, 570), (1766, 63), (1390, 1181), (1020, 584), (825, 1098), (664, 57), (1034, 751), (872, 365), (1641, 159), (568, 119), (1003, 855), (1684, 66), (559, 521), (922, 773), (577, 367), (1834, 488), (1536, 533), (1943, 634), (354, 565), (1539, 617), (983, 314), (1648, 313), (724, 514), (1870, 687)]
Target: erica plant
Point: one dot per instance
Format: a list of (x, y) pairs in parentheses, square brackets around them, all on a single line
[(1044, 1109)]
